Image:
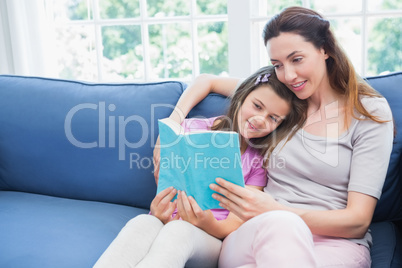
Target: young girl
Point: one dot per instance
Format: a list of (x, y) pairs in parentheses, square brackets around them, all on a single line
[(315, 212), (263, 111)]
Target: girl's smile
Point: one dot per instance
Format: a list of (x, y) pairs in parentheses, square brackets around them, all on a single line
[(251, 126), (261, 113)]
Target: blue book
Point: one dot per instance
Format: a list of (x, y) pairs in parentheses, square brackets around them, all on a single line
[(192, 161)]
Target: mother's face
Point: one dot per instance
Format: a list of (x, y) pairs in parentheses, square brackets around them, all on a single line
[(298, 64)]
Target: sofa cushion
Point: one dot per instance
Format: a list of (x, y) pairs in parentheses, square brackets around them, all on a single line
[(81, 140), (389, 206), (45, 231), (387, 245)]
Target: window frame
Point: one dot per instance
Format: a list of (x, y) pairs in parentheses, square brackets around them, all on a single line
[(246, 52), (144, 21), (244, 35)]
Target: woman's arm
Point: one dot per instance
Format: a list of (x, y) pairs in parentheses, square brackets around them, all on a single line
[(351, 222), (372, 145)]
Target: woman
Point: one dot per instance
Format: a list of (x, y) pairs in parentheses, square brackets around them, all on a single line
[(316, 209)]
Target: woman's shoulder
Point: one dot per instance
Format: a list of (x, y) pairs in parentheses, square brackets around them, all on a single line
[(377, 106)]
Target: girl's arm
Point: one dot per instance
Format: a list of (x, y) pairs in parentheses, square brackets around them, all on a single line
[(162, 206), (221, 229), (199, 89)]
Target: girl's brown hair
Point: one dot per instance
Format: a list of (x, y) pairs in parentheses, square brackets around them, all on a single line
[(316, 30), (293, 121)]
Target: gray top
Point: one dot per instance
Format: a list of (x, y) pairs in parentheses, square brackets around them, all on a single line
[(312, 172)]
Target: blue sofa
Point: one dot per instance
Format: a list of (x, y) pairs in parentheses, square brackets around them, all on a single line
[(76, 165)]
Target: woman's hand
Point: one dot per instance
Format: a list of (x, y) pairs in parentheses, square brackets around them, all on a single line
[(191, 212), (162, 207), (246, 203)]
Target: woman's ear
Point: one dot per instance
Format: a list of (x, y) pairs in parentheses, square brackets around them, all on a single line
[(326, 56)]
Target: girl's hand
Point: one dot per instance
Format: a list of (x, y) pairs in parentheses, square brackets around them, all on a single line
[(192, 213), (162, 207), (246, 203)]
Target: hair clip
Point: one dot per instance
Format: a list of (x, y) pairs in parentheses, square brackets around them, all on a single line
[(262, 79)]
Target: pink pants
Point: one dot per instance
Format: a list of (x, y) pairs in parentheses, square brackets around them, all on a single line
[(282, 239)]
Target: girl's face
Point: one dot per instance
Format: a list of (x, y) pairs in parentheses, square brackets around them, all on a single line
[(261, 112), (298, 64)]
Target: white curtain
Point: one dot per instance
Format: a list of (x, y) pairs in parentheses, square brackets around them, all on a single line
[(25, 39)]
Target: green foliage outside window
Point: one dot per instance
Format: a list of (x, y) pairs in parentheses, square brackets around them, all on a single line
[(170, 43), (385, 42)]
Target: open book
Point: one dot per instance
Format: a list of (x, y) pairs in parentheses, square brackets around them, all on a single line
[(192, 161)]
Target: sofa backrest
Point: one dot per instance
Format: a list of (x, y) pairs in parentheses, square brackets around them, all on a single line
[(81, 140), (389, 206), (95, 141)]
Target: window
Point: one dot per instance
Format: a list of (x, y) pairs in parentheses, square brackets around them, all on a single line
[(139, 40), (148, 40), (369, 31)]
